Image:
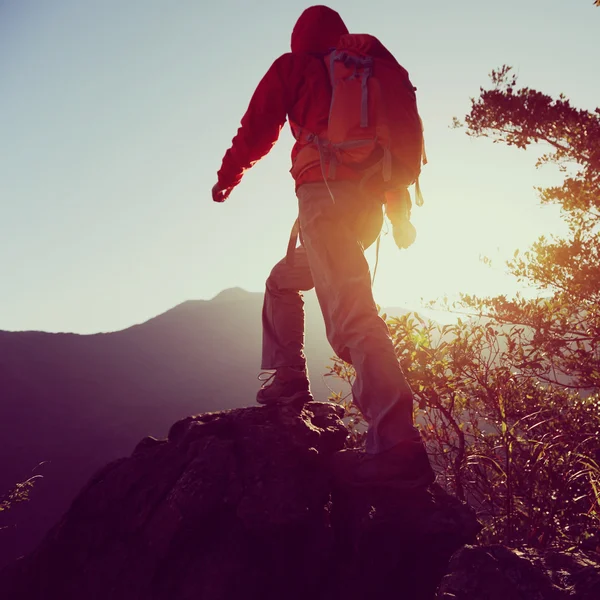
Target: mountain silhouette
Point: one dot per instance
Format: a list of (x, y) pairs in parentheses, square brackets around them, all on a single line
[(74, 402)]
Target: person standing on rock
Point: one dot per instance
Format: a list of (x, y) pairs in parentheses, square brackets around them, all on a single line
[(342, 182)]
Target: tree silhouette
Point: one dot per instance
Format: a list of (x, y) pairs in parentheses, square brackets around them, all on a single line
[(509, 398)]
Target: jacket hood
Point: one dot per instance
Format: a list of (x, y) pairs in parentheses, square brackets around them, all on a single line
[(317, 30)]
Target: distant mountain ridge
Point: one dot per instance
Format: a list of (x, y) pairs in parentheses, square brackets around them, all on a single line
[(97, 394)]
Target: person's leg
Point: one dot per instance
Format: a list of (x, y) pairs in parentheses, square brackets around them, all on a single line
[(356, 332), (283, 313), (283, 332)]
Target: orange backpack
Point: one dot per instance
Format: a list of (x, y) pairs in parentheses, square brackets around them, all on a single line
[(374, 125)]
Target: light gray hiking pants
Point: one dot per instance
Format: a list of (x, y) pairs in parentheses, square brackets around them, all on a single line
[(331, 259)]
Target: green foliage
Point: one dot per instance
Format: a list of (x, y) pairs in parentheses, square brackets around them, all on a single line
[(509, 399), (522, 452), (564, 326), (353, 418), (19, 493)]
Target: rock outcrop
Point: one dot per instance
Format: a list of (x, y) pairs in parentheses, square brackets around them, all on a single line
[(242, 504), (246, 504), (500, 573)]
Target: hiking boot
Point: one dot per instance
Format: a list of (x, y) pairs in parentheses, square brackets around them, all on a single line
[(406, 466), (285, 386)]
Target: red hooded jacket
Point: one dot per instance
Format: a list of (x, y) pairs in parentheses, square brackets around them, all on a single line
[(295, 87)]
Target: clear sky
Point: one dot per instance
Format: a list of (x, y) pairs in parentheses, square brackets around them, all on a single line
[(115, 114)]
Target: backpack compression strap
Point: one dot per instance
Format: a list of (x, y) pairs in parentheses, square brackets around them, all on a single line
[(366, 67), (289, 257)]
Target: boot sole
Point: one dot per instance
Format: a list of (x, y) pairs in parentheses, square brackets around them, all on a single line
[(284, 400), (366, 476)]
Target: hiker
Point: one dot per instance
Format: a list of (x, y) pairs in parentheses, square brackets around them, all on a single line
[(340, 214)]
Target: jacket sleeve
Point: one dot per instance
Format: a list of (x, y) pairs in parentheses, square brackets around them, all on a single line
[(260, 126)]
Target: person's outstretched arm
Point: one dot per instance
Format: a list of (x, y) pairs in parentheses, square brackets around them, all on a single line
[(259, 129)]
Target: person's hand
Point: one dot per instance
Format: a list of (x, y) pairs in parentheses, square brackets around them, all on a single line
[(398, 204), (397, 208), (220, 194), (405, 233)]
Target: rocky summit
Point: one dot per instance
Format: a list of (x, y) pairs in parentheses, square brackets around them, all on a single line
[(245, 504)]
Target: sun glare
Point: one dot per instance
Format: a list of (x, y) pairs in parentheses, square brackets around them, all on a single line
[(447, 257)]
